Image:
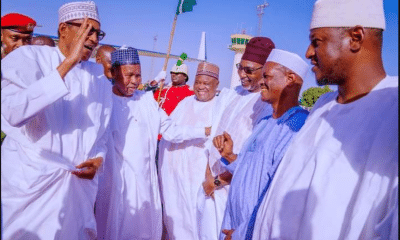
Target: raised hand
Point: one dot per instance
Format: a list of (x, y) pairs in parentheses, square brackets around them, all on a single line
[(78, 42), (76, 51)]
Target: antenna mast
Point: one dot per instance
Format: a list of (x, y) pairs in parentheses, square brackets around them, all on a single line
[(260, 13)]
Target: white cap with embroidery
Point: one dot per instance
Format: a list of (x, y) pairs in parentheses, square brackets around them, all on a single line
[(348, 13), (77, 10)]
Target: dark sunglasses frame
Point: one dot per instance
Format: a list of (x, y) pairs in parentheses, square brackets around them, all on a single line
[(247, 70), (100, 34)]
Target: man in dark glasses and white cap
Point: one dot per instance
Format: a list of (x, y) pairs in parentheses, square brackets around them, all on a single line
[(55, 110)]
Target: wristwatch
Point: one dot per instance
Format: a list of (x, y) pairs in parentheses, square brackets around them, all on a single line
[(217, 182)]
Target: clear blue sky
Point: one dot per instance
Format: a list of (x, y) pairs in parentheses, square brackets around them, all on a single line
[(135, 23)]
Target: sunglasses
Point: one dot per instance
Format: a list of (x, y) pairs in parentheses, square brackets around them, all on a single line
[(247, 70), (100, 34)]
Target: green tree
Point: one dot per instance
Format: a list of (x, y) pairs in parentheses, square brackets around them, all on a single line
[(311, 95), (3, 135)]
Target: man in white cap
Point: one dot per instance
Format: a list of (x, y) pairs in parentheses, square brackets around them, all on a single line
[(182, 165), (339, 177), (244, 110), (254, 167), (55, 110), (128, 205)]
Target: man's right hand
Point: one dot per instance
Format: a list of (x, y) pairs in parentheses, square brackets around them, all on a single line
[(224, 145), (77, 45)]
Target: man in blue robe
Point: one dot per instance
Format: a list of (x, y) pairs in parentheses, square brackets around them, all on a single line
[(260, 156)]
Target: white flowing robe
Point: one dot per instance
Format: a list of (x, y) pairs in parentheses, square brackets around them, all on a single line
[(183, 166), (129, 204), (244, 110), (339, 178), (51, 125)]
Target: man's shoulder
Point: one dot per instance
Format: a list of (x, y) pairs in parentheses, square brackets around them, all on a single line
[(29, 51), (186, 100), (296, 118), (391, 81), (95, 68)]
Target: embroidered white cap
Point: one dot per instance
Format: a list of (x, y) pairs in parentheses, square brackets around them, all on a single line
[(290, 60), (348, 13), (77, 10)]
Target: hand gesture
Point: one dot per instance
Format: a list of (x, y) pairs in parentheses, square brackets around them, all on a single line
[(208, 184), (76, 51), (78, 42), (224, 144), (89, 168)]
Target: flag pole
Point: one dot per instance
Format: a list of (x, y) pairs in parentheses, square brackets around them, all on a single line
[(171, 37)]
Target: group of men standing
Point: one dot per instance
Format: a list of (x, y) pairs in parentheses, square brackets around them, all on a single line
[(248, 163)]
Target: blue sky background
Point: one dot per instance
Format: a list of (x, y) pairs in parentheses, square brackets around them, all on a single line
[(135, 23)]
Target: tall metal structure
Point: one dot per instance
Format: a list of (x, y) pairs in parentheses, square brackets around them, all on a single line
[(202, 49), (260, 13)]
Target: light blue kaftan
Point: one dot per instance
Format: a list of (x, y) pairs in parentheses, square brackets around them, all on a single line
[(256, 165)]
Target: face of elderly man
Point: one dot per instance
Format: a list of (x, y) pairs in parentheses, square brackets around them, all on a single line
[(11, 40), (127, 79), (273, 82), (250, 73), (327, 53), (205, 87), (70, 31)]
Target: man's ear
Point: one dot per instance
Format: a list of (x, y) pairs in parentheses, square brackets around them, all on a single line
[(62, 27), (290, 78), (357, 37)]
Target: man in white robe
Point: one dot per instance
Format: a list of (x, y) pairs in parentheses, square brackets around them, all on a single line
[(182, 165), (244, 111), (55, 110), (339, 178), (128, 205)]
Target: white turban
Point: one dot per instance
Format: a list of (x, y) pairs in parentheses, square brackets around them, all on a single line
[(77, 10), (290, 60), (348, 13)]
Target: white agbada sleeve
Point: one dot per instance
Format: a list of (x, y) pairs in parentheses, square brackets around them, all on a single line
[(176, 134), (22, 96)]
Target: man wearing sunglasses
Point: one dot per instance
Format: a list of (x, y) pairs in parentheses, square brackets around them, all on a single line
[(244, 110), (55, 111)]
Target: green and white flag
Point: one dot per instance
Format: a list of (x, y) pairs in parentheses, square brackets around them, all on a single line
[(185, 6)]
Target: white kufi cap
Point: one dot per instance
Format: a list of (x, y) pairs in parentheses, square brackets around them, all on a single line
[(180, 69), (290, 60), (348, 13), (77, 10)]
